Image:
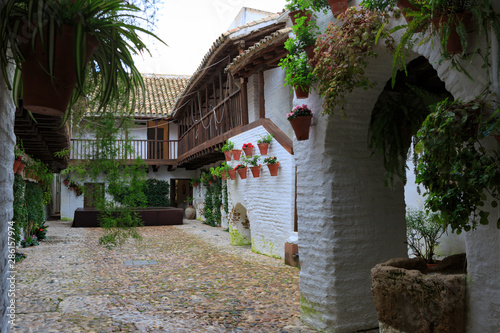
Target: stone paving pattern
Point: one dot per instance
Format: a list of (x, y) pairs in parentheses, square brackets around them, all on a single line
[(199, 283)]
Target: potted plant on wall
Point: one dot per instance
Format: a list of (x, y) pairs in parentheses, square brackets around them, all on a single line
[(299, 73), (300, 119), (242, 170), (454, 166), (264, 142), (194, 182), (248, 149), (343, 45), (227, 150), (272, 164), (53, 41), (254, 165)]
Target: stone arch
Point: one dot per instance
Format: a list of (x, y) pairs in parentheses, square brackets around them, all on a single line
[(239, 226), (348, 219)]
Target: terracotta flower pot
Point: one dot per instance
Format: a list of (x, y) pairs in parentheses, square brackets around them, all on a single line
[(232, 174), (255, 171), (273, 168), (300, 13), (248, 151), (301, 126), (195, 184), (41, 94), (405, 6), (337, 6), (310, 55), (453, 44), (228, 155), (66, 182), (243, 173), (21, 167), (263, 148), (224, 175), (210, 182), (236, 154), (16, 165), (301, 93)]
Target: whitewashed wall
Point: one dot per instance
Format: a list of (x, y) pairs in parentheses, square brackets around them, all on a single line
[(7, 111), (70, 202), (268, 200), (348, 219)]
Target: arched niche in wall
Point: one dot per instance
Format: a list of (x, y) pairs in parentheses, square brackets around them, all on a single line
[(239, 226)]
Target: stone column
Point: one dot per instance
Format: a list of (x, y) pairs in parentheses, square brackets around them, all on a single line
[(348, 219)]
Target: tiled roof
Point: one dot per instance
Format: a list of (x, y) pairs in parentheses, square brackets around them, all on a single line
[(277, 37), (223, 40), (161, 93)]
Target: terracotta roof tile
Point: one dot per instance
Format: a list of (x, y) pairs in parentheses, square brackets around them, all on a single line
[(161, 93), (223, 39), (276, 37)]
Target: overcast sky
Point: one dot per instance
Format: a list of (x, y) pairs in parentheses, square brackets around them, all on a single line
[(189, 27)]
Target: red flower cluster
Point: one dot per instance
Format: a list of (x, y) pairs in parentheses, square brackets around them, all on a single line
[(248, 145), (239, 166)]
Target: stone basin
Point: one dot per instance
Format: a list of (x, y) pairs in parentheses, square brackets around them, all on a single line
[(409, 297)]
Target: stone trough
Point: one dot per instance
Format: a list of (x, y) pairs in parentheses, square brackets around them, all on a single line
[(151, 216), (410, 297)]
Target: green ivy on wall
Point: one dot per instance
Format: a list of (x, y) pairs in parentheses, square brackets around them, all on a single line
[(20, 218), (157, 193), (213, 203), (35, 208)]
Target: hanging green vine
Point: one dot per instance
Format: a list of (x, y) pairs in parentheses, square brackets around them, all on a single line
[(209, 207), (217, 200), (20, 211), (226, 202)]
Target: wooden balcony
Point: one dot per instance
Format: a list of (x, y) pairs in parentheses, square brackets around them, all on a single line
[(198, 144), (153, 152)]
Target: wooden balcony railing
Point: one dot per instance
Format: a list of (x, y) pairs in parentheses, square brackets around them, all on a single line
[(149, 150), (227, 115)]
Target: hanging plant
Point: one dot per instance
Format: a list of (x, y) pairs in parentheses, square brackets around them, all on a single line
[(342, 54), (299, 73), (457, 171)]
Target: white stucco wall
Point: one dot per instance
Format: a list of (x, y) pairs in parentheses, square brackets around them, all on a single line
[(356, 222), (8, 139), (268, 200), (70, 202)]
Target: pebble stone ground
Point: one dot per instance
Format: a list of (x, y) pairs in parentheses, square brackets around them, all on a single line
[(195, 281)]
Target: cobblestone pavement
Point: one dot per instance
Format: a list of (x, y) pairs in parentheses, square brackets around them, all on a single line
[(194, 281)]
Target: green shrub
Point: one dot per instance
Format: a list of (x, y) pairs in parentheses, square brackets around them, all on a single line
[(157, 193)]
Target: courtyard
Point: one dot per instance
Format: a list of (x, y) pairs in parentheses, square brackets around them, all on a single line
[(184, 278)]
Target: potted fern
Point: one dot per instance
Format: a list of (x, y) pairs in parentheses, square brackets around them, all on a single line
[(65, 49)]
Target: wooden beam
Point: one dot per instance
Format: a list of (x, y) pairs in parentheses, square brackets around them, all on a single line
[(262, 101), (244, 101)]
